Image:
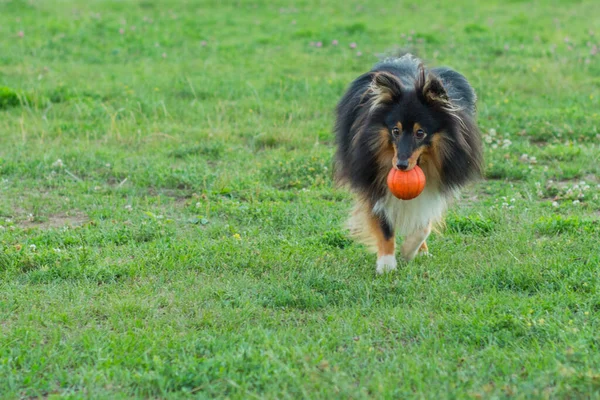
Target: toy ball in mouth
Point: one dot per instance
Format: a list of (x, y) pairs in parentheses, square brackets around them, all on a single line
[(406, 185)]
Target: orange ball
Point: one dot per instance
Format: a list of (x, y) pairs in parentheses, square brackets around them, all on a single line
[(406, 185)]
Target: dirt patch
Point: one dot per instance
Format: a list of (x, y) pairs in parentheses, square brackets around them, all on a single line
[(589, 179), (473, 194), (70, 219), (180, 198)]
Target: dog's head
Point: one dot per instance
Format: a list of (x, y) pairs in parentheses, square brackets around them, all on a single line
[(420, 122)]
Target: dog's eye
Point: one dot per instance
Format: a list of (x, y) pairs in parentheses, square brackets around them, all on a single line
[(395, 131), (420, 134)]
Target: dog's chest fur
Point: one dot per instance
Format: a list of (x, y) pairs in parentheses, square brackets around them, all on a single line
[(408, 216)]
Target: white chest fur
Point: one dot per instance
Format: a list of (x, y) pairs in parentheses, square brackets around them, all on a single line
[(408, 216)]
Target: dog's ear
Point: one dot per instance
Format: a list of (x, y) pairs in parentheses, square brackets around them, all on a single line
[(434, 91), (385, 88)]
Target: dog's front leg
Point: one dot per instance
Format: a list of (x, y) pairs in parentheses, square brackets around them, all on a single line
[(386, 243), (374, 230), (414, 242)]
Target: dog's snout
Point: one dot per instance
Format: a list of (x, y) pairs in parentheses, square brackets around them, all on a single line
[(402, 165)]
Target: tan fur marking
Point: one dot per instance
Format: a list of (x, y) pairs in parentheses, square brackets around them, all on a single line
[(364, 226), (384, 247), (437, 150), (424, 248), (381, 143), (416, 127), (385, 153), (395, 158), (412, 160)]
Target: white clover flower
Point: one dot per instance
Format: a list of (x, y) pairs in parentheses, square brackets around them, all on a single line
[(555, 204)]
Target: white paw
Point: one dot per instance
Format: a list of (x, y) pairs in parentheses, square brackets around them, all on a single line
[(386, 264), (424, 254)]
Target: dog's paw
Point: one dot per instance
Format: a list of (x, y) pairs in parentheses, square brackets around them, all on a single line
[(386, 264)]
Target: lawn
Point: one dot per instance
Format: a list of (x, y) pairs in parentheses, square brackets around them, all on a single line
[(169, 227)]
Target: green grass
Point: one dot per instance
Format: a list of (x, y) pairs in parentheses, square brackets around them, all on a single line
[(190, 241)]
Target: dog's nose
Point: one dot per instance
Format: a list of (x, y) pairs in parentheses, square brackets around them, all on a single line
[(402, 165)]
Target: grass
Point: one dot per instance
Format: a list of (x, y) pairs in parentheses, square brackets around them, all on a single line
[(168, 225)]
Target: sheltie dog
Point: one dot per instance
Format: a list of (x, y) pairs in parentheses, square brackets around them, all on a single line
[(398, 115)]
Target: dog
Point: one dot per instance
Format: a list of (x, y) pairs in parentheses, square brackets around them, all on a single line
[(398, 115)]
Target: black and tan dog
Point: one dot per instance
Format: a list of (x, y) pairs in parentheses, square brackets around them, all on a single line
[(398, 115)]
